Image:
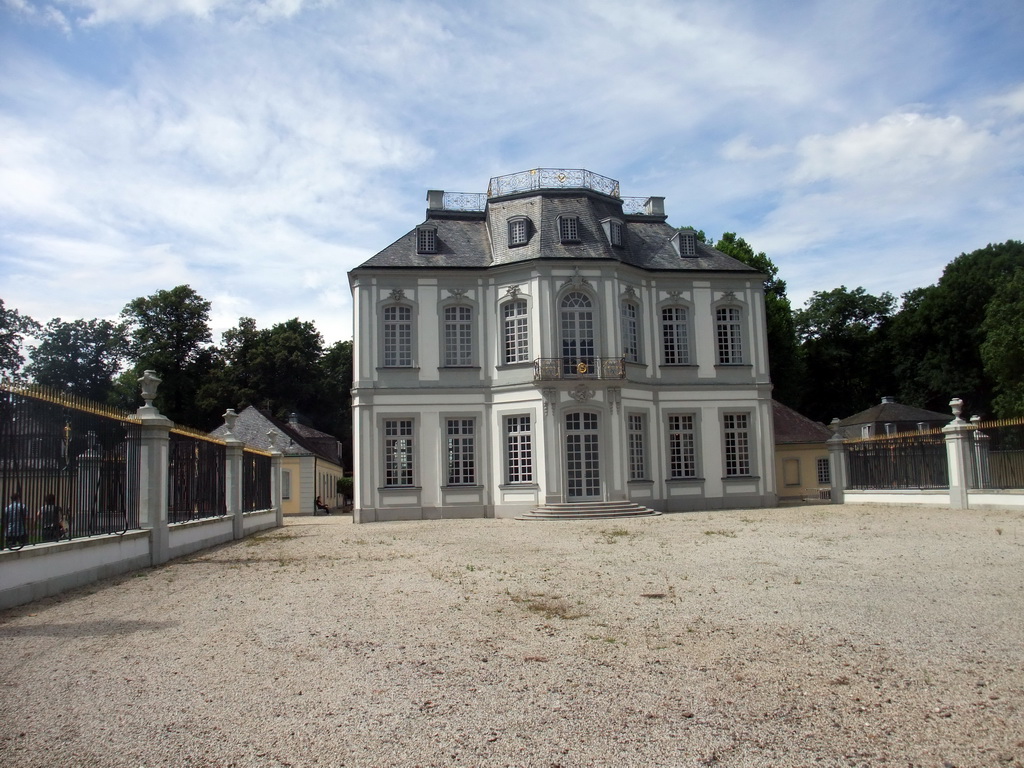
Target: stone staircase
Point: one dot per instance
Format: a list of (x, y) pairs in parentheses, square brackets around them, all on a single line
[(588, 510)]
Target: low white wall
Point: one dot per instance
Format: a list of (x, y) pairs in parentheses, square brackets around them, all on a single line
[(938, 498), (43, 570)]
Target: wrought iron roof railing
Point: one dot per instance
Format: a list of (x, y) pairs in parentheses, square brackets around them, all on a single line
[(561, 368), (552, 178), (465, 201)]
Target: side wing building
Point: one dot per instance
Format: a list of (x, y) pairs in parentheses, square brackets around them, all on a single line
[(549, 342)]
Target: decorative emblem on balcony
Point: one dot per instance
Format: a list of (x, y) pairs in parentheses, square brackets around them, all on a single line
[(581, 367), (581, 393), (397, 295)]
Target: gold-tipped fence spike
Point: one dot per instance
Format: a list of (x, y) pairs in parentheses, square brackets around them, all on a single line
[(68, 400)]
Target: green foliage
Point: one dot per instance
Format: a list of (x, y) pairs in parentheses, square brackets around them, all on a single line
[(14, 327), (937, 338), (785, 362), (1003, 350), (82, 357), (169, 333), (346, 487), (842, 334)]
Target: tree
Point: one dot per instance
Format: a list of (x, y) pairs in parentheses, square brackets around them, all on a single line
[(14, 327), (937, 337), (81, 357), (842, 334), (1003, 349), (337, 367), (168, 332), (784, 359)]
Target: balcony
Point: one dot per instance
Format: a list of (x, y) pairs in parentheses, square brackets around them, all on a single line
[(575, 368)]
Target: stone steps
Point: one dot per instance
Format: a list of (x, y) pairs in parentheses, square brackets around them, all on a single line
[(587, 510)]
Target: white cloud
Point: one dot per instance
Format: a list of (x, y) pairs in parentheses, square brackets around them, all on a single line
[(150, 12)]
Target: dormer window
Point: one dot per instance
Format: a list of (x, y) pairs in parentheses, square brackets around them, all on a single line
[(687, 242), (615, 231), (518, 231), (569, 229), (426, 240)]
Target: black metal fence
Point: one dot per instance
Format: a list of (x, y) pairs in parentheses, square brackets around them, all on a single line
[(68, 467), (905, 461), (195, 477), (256, 492), (999, 454)]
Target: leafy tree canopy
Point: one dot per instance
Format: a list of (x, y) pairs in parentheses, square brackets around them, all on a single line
[(1003, 349), (82, 357), (14, 327)]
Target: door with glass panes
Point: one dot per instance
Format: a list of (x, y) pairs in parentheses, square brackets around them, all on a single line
[(577, 316), (582, 457)]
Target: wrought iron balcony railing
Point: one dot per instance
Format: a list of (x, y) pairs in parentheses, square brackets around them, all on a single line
[(560, 368)]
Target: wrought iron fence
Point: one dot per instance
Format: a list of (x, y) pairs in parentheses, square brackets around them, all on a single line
[(905, 461), (558, 368), (196, 480), (256, 467), (68, 467), (998, 452), (552, 178)]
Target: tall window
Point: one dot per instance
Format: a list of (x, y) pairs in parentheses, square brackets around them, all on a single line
[(518, 450), (824, 474), (637, 459), (458, 336), (516, 340), (730, 339), (397, 336), (615, 232), (461, 451), (630, 332), (674, 336), (568, 229), (398, 452), (737, 444), (518, 232), (682, 453)]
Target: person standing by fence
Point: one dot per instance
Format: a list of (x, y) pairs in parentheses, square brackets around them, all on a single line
[(50, 514), (16, 521)]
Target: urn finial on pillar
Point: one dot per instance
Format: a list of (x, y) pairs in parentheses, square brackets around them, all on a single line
[(149, 381)]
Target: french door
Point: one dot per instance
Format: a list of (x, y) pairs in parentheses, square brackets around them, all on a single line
[(582, 457), (577, 333)]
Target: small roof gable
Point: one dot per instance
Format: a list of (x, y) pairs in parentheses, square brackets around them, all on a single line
[(792, 427), (891, 412), (253, 425)]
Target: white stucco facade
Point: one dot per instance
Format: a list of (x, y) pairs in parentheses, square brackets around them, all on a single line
[(579, 366)]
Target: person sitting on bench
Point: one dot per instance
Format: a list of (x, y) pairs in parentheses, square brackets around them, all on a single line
[(320, 505)]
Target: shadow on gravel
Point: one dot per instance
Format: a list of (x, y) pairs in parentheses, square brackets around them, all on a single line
[(86, 629)]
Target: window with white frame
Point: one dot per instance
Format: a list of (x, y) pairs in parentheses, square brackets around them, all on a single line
[(397, 336), (569, 229), (458, 336), (518, 231), (675, 342), (636, 437), (682, 446), (630, 332), (615, 232), (729, 335), (824, 473), (398, 453), (736, 437), (515, 332), (286, 484), (426, 240), (461, 451), (518, 450)]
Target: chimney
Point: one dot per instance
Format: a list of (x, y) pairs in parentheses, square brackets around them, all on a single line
[(435, 199), (293, 419), (654, 206)]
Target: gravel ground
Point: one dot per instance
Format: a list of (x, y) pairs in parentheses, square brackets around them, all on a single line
[(814, 636)]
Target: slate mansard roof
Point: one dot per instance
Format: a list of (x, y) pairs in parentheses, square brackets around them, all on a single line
[(478, 238)]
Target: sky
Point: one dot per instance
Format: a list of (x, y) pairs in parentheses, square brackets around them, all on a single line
[(258, 150)]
